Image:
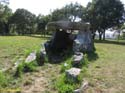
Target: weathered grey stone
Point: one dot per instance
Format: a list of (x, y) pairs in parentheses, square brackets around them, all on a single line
[(42, 57), (73, 73), (18, 62), (84, 86), (43, 52), (78, 56), (31, 57), (83, 42), (77, 59), (77, 91)]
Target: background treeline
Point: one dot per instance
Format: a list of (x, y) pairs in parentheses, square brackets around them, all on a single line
[(101, 14)]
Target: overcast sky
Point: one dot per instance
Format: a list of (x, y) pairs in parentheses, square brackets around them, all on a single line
[(43, 6)]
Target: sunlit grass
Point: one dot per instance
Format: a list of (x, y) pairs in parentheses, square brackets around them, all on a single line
[(105, 72), (14, 47)]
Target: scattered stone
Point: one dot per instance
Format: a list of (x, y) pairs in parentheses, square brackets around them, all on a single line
[(77, 59), (82, 88), (43, 52), (42, 57), (18, 62), (65, 64), (77, 91), (73, 73), (31, 57)]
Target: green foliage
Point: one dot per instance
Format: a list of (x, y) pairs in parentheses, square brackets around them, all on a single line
[(42, 22), (3, 80), (5, 13), (41, 59), (25, 67), (27, 52), (23, 22), (68, 12), (63, 87), (38, 58), (65, 66), (104, 14)]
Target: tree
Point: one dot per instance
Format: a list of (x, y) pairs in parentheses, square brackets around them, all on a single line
[(104, 14), (69, 12), (42, 22), (74, 11), (23, 21), (5, 13)]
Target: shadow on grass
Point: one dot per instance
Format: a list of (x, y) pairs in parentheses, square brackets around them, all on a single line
[(110, 42), (57, 59), (40, 36), (92, 56), (33, 35)]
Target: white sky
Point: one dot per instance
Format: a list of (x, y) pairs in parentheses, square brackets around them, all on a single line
[(43, 6)]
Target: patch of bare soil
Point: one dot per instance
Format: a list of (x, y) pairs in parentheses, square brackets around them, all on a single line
[(41, 81)]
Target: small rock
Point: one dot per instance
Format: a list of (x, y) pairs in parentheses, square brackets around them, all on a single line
[(84, 86), (31, 57), (42, 57), (77, 91), (43, 52), (18, 62), (65, 64), (78, 56), (77, 59), (73, 73)]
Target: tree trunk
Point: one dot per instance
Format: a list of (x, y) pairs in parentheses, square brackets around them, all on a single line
[(93, 37), (104, 34), (100, 35), (6, 25)]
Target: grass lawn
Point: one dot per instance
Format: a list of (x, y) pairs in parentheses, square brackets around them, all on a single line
[(107, 72), (106, 69), (15, 47)]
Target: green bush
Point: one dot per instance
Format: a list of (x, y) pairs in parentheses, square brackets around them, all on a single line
[(25, 67), (41, 59), (66, 65), (27, 52), (63, 87)]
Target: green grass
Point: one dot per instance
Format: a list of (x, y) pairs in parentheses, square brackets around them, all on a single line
[(15, 47), (105, 72)]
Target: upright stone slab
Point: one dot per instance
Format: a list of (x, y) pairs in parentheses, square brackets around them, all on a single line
[(83, 42)]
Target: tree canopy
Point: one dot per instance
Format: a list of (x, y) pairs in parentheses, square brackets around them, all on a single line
[(101, 14), (23, 21), (68, 12), (104, 14)]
